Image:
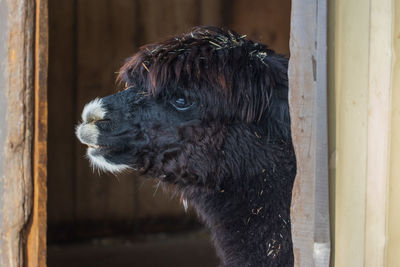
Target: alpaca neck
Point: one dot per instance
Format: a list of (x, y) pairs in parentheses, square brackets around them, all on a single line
[(251, 226)]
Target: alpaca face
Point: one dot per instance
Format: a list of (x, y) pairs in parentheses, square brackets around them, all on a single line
[(132, 129), (195, 109)]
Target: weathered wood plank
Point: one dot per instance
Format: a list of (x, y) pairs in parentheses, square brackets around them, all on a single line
[(17, 87), (322, 243), (36, 235), (308, 108)]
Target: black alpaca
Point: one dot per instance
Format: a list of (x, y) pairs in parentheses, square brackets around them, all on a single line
[(208, 112)]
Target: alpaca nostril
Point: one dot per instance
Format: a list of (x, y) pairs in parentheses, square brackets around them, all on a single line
[(87, 133), (93, 111)]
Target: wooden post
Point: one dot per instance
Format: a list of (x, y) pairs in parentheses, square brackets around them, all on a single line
[(308, 110), (393, 198), (23, 115), (16, 113), (366, 41), (36, 235)]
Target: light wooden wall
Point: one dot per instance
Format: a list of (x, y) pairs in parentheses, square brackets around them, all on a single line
[(393, 200), (365, 125), (89, 40)]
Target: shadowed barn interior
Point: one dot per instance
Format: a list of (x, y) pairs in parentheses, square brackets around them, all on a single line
[(104, 220)]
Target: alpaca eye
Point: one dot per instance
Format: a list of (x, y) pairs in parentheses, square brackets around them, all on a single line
[(181, 104)]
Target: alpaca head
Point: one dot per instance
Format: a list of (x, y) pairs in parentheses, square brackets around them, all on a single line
[(196, 110)]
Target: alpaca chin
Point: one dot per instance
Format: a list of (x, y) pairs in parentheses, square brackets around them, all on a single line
[(100, 163)]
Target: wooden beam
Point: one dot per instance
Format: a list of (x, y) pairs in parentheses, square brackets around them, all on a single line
[(393, 216), (308, 109), (36, 239), (379, 116), (366, 126), (16, 112)]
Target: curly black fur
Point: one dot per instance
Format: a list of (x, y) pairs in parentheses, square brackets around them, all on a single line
[(207, 111)]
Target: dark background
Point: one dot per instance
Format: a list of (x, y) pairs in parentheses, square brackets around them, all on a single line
[(123, 220)]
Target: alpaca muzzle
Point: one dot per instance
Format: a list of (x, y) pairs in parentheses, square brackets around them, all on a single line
[(87, 132)]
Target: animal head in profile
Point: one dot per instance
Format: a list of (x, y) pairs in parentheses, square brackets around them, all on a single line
[(197, 108)]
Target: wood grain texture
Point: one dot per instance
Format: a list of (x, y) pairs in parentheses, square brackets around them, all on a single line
[(351, 75), (366, 121), (379, 118), (36, 232), (18, 88), (393, 230), (308, 109)]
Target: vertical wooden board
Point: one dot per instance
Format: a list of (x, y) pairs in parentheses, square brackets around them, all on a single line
[(8, 252), (351, 74), (302, 90), (367, 121), (308, 100), (322, 244), (17, 86), (266, 21), (322, 240), (61, 137), (393, 230), (36, 239), (379, 115), (105, 37)]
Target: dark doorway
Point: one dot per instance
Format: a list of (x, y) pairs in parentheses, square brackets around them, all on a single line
[(99, 219)]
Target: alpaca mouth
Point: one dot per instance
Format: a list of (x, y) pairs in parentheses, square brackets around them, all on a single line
[(93, 146), (96, 150)]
